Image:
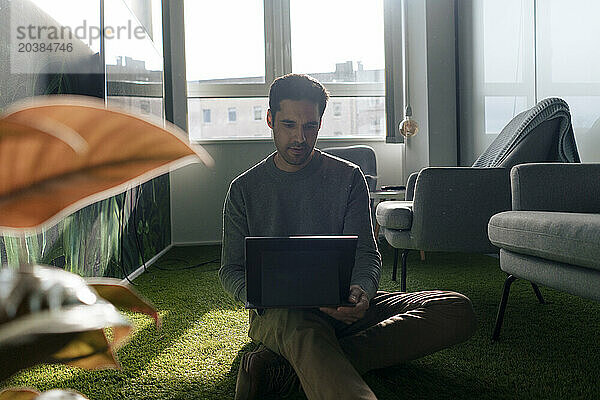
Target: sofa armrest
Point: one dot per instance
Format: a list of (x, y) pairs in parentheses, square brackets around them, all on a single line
[(452, 206), (563, 187)]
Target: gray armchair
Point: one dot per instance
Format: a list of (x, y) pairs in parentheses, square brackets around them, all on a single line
[(552, 235), (448, 208), (361, 155)]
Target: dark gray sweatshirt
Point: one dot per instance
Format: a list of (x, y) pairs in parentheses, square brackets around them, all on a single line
[(329, 196)]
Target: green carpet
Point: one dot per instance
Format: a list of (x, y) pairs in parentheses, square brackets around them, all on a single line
[(545, 351)]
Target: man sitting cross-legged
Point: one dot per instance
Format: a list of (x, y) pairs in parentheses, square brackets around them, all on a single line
[(299, 190)]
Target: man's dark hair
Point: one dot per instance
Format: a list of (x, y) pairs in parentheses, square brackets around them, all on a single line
[(297, 87)]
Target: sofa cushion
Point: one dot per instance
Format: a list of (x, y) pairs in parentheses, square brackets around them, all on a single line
[(580, 281), (571, 238), (394, 214)]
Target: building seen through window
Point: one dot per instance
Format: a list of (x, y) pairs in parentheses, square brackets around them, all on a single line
[(346, 54), (344, 116)]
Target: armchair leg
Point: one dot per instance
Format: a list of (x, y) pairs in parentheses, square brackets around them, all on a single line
[(403, 271), (403, 276), (395, 264), (538, 294), (500, 317)]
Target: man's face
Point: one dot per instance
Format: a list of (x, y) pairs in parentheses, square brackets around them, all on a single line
[(295, 131)]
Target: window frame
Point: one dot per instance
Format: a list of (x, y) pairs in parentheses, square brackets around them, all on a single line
[(278, 61)]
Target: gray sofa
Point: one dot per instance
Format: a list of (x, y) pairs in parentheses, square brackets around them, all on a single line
[(552, 235)]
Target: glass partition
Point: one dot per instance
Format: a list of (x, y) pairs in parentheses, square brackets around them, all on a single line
[(112, 237), (569, 65)]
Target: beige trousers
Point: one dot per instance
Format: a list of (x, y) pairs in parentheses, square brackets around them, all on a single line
[(330, 356)]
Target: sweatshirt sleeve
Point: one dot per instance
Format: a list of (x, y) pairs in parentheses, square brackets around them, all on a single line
[(235, 229), (357, 221)]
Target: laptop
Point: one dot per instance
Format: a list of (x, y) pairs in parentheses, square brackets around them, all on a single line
[(299, 271)]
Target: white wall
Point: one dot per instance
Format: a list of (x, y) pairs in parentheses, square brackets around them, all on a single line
[(197, 193), (431, 61)]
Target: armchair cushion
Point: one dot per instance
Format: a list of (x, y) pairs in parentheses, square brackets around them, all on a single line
[(395, 214), (362, 155), (571, 238), (450, 211)]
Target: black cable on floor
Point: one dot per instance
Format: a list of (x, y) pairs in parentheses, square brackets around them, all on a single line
[(216, 260), (171, 260), (140, 247)]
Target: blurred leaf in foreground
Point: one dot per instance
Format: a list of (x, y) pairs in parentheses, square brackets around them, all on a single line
[(61, 153)]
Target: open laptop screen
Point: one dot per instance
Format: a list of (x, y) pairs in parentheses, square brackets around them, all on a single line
[(299, 271)]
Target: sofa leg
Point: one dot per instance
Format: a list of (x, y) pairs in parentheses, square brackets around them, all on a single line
[(500, 317), (537, 292), (403, 275)]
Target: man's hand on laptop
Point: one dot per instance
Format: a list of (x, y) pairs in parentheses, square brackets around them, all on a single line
[(350, 315)]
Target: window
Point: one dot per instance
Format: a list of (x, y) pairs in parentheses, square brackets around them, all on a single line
[(376, 124), (499, 110), (375, 101), (220, 127), (232, 114), (347, 48), (346, 54), (206, 115), (134, 66), (257, 110), (233, 51), (145, 106), (337, 109)]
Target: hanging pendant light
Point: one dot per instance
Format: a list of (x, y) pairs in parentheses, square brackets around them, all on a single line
[(408, 127)]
